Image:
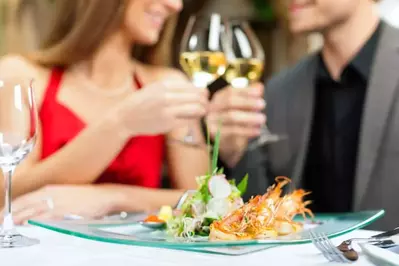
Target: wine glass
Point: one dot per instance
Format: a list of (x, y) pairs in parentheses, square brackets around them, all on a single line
[(202, 54), (246, 59), (18, 127)]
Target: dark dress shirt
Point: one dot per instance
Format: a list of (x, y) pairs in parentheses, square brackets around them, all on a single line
[(331, 161)]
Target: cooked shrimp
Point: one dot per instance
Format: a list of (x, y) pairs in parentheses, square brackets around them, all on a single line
[(293, 204), (263, 216)]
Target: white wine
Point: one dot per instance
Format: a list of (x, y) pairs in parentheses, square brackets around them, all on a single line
[(203, 67), (241, 72)]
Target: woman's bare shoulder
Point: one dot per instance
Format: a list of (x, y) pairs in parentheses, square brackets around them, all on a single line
[(21, 67), (9, 63)]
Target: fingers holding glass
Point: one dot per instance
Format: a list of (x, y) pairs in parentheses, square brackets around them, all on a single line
[(202, 55)]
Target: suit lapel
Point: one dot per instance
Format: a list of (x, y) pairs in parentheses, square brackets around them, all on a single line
[(379, 99), (302, 102)]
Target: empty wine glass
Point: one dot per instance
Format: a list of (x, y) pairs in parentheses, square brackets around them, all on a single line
[(18, 126), (202, 55), (246, 59)]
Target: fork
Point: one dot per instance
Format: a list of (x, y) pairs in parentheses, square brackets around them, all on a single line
[(327, 248)]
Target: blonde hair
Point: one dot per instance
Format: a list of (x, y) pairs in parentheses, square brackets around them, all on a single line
[(80, 26)]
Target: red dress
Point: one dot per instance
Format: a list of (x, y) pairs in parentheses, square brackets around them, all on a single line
[(140, 161)]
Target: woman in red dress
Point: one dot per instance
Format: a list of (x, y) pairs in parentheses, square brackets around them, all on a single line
[(105, 116)]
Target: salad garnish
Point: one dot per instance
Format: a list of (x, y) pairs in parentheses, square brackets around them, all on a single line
[(214, 198)]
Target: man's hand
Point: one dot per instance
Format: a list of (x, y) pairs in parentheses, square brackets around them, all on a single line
[(239, 112)]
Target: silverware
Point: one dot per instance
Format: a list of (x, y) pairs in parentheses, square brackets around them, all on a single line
[(344, 253), (183, 198), (329, 251), (376, 239), (153, 225)]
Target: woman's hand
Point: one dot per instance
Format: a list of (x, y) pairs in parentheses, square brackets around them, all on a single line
[(161, 107), (55, 202)]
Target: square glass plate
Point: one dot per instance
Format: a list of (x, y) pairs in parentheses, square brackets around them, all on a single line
[(123, 232)]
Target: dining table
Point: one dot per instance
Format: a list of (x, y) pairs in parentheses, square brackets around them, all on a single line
[(57, 249)]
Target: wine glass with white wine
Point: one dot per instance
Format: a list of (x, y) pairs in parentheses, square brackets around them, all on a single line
[(18, 128), (246, 59), (202, 55)]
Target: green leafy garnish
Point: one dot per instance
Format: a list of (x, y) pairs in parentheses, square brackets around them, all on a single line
[(198, 212), (208, 221), (242, 186), (204, 192), (204, 231), (215, 154), (208, 145)]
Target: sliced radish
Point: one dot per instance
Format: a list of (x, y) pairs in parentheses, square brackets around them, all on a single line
[(218, 207), (219, 187)]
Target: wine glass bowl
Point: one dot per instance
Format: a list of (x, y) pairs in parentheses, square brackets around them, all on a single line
[(246, 59), (202, 55), (18, 128), (245, 56), (201, 52)]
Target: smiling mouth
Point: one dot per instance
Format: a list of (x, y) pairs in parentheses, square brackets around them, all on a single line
[(295, 7), (156, 18)]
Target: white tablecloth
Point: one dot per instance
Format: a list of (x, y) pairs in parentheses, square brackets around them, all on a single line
[(62, 250)]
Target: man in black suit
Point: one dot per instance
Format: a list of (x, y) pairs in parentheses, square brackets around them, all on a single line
[(338, 107)]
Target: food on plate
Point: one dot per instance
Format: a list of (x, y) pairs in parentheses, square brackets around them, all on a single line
[(214, 199), (216, 209), (165, 213), (153, 219), (264, 216)]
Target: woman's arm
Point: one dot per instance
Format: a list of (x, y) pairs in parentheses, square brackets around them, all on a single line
[(89, 201), (158, 108), (81, 161), (85, 157), (185, 162)]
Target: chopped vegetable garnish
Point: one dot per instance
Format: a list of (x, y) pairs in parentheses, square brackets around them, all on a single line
[(153, 219), (214, 198), (165, 213), (219, 187)]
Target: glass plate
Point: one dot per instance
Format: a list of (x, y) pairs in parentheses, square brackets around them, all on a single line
[(123, 232)]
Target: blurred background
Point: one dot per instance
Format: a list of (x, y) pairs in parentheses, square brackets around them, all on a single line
[(24, 22)]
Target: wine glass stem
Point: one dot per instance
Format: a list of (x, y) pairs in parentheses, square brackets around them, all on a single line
[(198, 83), (264, 130), (8, 223)]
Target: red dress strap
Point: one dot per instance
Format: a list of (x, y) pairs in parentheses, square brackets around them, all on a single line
[(136, 79), (53, 85)]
